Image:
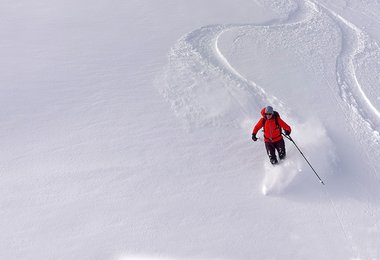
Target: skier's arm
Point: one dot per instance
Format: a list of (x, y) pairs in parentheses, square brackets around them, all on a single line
[(284, 125)]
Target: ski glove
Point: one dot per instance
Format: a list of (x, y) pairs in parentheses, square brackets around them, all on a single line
[(254, 138), (287, 132)]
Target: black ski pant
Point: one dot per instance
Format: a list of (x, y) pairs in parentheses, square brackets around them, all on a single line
[(271, 150)]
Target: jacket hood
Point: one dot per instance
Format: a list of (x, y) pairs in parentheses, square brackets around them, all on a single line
[(263, 112)]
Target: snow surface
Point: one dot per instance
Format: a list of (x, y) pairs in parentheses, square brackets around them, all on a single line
[(126, 129)]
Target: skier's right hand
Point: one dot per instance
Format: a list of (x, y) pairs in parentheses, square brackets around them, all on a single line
[(254, 138)]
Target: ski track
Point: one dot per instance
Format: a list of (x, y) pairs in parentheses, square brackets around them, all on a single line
[(364, 122), (352, 93), (199, 49)]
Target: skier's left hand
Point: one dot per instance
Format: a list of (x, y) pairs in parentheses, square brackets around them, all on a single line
[(287, 132)]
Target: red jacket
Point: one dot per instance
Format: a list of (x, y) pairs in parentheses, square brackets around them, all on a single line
[(271, 132)]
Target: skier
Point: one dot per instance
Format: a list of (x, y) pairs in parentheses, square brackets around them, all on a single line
[(272, 124)]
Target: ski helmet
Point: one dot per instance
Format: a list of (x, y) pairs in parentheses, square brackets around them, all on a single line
[(269, 110)]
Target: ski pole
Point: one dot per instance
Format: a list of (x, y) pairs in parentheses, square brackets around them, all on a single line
[(291, 139)]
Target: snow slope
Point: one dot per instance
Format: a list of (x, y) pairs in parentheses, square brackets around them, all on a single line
[(126, 129)]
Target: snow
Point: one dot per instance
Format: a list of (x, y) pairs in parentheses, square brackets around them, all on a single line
[(126, 129)]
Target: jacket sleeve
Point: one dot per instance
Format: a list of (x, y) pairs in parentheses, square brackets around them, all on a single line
[(258, 126), (284, 125)]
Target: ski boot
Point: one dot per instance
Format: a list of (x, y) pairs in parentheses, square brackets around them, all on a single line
[(273, 161)]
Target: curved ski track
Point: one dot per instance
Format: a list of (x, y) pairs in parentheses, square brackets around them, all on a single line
[(365, 122)]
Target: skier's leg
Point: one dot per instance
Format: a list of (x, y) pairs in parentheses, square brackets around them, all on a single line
[(280, 146), (271, 151)]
